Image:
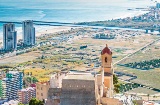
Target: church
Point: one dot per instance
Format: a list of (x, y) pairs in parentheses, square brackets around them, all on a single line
[(83, 88)]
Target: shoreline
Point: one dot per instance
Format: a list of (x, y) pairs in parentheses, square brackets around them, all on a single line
[(133, 14), (54, 29), (50, 29), (40, 32), (133, 20)]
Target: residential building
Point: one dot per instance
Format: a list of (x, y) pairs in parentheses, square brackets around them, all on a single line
[(11, 102), (2, 74), (104, 36), (11, 84), (2, 91), (158, 5), (3, 101), (42, 90), (25, 95), (29, 38), (9, 37)]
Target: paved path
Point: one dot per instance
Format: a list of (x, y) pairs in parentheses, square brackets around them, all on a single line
[(142, 48)]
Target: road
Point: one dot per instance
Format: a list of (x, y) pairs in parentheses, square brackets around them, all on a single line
[(142, 48)]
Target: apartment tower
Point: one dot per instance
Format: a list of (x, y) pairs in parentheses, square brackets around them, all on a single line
[(28, 33), (9, 37), (25, 95), (11, 84)]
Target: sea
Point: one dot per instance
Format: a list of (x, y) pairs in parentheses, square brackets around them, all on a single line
[(69, 10)]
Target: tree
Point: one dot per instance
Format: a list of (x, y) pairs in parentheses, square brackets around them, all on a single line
[(34, 80), (35, 101), (29, 79), (20, 104), (117, 88), (134, 102), (116, 84), (115, 79), (24, 83)]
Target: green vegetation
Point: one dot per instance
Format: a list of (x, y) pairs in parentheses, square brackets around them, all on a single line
[(44, 48), (20, 104), (31, 79), (35, 101), (5, 66), (134, 102), (25, 64), (144, 77), (116, 84), (128, 86), (119, 50), (145, 65)]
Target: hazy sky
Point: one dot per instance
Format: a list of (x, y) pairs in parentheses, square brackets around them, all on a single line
[(88, 1), (75, 0)]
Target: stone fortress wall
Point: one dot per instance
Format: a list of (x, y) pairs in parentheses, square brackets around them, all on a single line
[(78, 92)]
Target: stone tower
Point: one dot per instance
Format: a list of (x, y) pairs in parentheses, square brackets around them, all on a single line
[(106, 73)]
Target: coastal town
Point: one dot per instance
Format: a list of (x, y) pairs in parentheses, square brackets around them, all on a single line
[(81, 65), (148, 21)]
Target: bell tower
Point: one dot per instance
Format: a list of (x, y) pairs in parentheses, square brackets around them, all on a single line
[(107, 72)]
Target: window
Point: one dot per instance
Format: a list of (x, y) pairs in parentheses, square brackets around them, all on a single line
[(41, 94), (41, 88), (106, 59), (37, 93)]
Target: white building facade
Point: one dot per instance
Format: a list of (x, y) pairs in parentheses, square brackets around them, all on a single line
[(9, 37), (11, 84), (29, 38)]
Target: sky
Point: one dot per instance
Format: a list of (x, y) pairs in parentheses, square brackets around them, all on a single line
[(81, 1), (116, 1), (100, 1)]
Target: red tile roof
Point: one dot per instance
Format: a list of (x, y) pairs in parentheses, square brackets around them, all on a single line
[(106, 50), (33, 85)]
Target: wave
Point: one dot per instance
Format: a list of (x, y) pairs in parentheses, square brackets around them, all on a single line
[(131, 14), (42, 14)]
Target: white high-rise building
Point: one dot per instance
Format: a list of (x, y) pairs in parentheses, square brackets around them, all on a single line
[(158, 5), (11, 84), (28, 33), (9, 37)]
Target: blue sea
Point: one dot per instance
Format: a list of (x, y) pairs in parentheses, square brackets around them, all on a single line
[(69, 10)]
